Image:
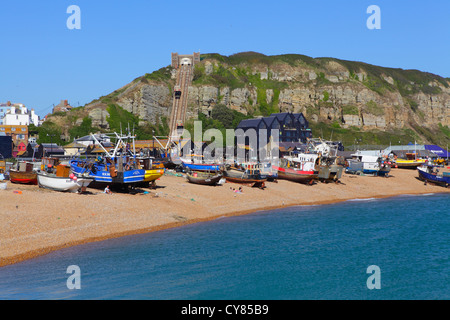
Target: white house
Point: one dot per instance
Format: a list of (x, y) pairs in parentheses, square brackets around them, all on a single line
[(19, 115)]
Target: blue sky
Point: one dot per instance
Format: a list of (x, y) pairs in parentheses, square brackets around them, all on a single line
[(43, 62)]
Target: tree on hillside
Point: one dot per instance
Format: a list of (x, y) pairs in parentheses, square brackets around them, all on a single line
[(223, 114)]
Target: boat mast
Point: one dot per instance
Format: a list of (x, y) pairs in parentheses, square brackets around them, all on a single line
[(106, 151), (415, 152)]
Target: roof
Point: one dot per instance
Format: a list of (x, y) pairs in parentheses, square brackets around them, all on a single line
[(89, 137), (345, 154), (291, 145), (249, 123), (74, 144), (98, 150), (410, 147), (149, 143), (269, 120), (437, 150), (420, 153), (52, 147), (300, 116), (281, 116)]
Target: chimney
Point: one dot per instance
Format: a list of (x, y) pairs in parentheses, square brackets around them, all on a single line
[(8, 103), (65, 103)]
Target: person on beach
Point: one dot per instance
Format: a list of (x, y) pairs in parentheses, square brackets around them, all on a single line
[(107, 190)]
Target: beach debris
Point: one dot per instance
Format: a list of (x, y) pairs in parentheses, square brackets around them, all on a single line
[(192, 199), (170, 173), (17, 191), (179, 218)]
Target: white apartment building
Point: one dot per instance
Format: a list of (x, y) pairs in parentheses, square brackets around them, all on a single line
[(19, 115)]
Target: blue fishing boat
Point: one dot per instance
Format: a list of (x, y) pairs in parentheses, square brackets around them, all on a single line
[(434, 174), (196, 163), (117, 169), (109, 170), (201, 166)]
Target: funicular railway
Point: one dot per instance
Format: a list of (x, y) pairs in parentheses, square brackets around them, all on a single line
[(180, 95)]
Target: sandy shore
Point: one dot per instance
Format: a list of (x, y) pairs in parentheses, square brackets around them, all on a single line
[(38, 221)]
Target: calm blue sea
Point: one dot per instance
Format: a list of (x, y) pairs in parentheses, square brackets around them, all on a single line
[(305, 252)]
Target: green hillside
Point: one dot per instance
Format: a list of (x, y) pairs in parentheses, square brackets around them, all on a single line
[(237, 71)]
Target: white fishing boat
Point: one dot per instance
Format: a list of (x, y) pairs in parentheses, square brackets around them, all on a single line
[(61, 179), (68, 184)]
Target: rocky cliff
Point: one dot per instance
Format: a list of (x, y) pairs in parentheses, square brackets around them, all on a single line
[(344, 93)]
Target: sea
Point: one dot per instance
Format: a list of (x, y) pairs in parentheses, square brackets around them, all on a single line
[(363, 249)]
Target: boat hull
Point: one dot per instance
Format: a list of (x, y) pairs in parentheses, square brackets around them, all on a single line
[(153, 174), (201, 166), (64, 184), (296, 175), (103, 177), (237, 176), (330, 172), (23, 177), (210, 180), (408, 164), (442, 180)]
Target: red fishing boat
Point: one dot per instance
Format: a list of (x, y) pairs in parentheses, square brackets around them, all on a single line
[(301, 168), (24, 174)]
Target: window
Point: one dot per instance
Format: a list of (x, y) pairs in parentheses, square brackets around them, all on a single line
[(23, 129), (13, 129)]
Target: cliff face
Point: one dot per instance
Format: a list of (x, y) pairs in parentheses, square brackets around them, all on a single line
[(351, 94)]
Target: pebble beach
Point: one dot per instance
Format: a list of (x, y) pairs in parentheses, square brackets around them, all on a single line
[(37, 221)]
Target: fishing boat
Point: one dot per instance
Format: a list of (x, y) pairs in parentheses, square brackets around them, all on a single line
[(245, 174), (121, 171), (197, 163), (301, 168), (204, 177), (330, 170), (329, 165), (201, 166), (410, 162), (23, 174), (368, 164), (153, 171), (115, 169), (59, 178), (268, 172), (434, 174)]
